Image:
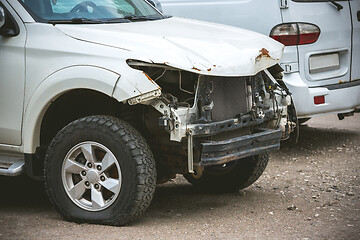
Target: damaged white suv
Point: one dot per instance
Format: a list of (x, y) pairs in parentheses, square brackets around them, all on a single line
[(103, 99)]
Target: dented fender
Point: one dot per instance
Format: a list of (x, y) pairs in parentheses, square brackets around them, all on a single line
[(135, 86)]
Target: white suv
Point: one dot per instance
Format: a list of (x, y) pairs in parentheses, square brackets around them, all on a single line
[(102, 99), (321, 59)]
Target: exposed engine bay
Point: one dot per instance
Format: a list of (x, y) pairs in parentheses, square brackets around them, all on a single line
[(212, 120)]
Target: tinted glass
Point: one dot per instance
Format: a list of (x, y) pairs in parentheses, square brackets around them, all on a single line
[(99, 10)]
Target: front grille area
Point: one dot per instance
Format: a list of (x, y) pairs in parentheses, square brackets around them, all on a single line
[(229, 96)]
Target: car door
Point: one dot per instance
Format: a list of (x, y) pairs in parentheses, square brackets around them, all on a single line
[(12, 78), (327, 61), (355, 62)]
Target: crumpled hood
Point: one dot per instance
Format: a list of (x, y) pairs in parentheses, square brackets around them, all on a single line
[(191, 45)]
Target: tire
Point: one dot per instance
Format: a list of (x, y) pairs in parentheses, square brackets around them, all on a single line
[(235, 175), (99, 169)]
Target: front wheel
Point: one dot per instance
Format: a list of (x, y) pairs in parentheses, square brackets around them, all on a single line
[(232, 176), (99, 169)]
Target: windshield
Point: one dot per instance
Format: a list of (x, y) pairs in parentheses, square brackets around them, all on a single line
[(94, 11)]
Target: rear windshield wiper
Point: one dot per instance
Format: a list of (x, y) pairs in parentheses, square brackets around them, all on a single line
[(75, 21), (339, 6)]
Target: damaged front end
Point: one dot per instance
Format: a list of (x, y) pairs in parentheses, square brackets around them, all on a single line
[(202, 120)]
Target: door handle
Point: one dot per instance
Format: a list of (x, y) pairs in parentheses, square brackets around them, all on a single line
[(358, 15)]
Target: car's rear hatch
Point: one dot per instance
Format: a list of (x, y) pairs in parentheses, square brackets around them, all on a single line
[(328, 60)]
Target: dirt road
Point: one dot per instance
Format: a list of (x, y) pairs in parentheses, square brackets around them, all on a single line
[(309, 191)]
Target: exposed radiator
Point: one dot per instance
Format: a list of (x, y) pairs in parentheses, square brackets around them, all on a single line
[(229, 96)]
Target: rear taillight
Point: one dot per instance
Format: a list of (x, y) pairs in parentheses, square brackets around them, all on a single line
[(291, 34)]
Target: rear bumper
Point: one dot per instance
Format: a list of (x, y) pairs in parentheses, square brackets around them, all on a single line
[(220, 152), (339, 98)]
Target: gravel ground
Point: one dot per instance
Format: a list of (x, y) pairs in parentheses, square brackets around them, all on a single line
[(310, 190)]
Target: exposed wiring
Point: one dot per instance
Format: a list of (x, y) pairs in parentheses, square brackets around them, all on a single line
[(180, 87), (160, 75)]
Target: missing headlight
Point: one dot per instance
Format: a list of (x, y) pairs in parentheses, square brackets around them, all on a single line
[(178, 86)]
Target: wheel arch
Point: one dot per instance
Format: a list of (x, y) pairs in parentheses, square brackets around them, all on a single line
[(66, 81)]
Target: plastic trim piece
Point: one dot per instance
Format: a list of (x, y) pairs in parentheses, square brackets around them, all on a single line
[(342, 85)]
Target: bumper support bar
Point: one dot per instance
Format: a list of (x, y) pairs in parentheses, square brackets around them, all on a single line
[(220, 152)]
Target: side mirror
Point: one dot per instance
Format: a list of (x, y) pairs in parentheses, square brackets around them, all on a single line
[(11, 29), (2, 17)]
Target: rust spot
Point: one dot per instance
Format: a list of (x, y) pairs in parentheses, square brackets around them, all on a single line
[(149, 78), (341, 81), (209, 69), (196, 69), (263, 53), (214, 65)]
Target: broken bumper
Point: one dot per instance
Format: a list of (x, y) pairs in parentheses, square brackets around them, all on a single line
[(220, 152)]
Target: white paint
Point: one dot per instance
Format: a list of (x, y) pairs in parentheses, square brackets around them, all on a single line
[(195, 46)]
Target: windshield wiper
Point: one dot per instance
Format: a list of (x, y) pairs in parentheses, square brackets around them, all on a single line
[(140, 18), (113, 20), (339, 6), (75, 21), (130, 18), (116, 20)]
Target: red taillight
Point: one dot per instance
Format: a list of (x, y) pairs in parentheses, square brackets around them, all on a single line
[(319, 100), (291, 34)]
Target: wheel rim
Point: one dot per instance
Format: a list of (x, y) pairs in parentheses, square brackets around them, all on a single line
[(91, 176)]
